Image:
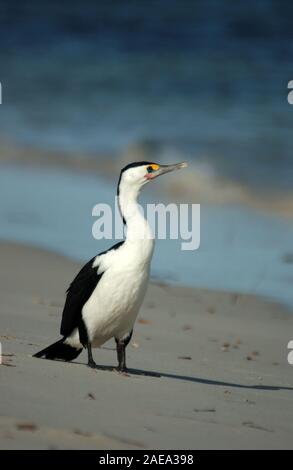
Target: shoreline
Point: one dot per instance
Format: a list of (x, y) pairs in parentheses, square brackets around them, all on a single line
[(154, 279), (222, 359), (248, 251)]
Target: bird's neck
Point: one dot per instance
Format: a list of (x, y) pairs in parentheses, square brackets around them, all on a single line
[(138, 230)]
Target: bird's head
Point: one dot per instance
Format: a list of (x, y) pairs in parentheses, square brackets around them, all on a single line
[(135, 175)]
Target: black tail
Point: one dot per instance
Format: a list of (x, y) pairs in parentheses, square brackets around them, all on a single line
[(59, 350)]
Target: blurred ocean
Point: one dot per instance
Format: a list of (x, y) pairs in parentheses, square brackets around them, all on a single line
[(203, 80)]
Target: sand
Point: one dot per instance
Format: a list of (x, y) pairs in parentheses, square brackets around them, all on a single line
[(225, 381)]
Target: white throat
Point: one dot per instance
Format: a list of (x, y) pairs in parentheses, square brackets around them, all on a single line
[(137, 227)]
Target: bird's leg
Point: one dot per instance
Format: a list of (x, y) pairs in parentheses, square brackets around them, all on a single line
[(121, 348), (85, 341), (121, 357), (91, 363)]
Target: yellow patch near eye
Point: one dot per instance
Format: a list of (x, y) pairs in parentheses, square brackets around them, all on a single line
[(155, 166)]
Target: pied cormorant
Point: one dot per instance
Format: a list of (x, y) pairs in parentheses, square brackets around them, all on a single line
[(103, 300)]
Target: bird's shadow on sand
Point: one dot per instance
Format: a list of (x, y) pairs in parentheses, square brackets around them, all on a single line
[(188, 378)]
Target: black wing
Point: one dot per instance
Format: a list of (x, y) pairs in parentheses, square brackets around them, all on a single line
[(79, 292)]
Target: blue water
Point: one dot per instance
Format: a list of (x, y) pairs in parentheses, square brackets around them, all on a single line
[(241, 250), (206, 79)]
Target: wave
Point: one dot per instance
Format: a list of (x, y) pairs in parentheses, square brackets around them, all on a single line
[(200, 183)]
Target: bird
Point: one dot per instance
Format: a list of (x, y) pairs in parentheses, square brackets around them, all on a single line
[(103, 300)]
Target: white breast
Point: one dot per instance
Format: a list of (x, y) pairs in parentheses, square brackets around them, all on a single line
[(114, 304)]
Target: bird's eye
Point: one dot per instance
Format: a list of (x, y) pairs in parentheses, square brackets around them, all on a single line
[(150, 169)]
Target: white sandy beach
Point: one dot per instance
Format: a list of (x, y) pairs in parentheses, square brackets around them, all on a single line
[(225, 381)]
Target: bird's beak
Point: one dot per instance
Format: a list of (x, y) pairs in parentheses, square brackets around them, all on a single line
[(167, 168)]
